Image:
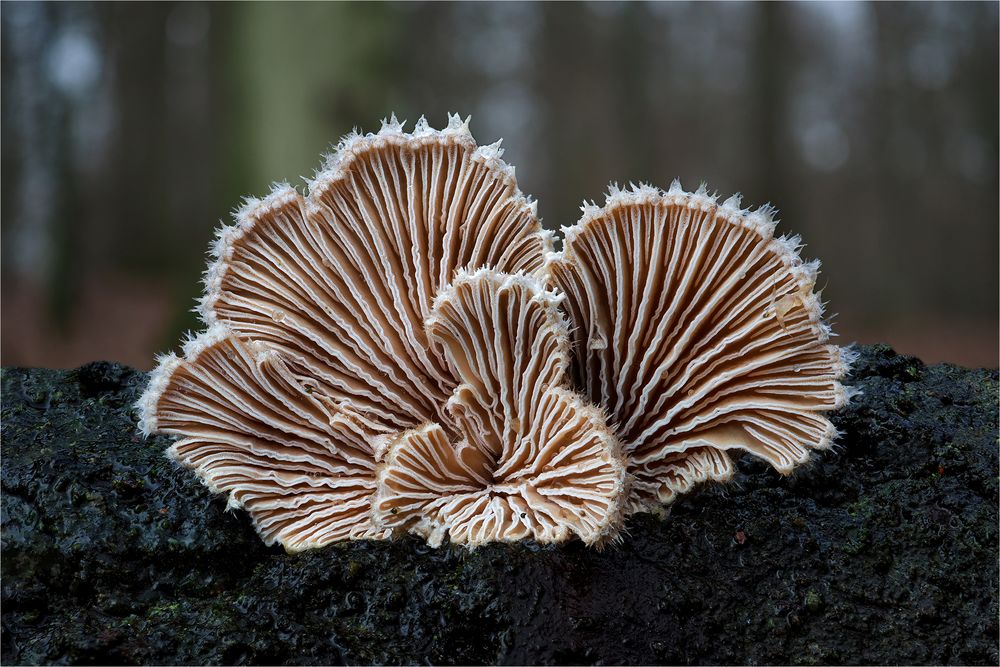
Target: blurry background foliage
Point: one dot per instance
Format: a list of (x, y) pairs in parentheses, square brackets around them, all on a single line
[(130, 130)]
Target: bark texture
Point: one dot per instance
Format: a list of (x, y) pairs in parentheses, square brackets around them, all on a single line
[(883, 550)]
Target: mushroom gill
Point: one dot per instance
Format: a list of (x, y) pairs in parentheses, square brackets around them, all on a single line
[(316, 351), (698, 332), (381, 357), (256, 426), (342, 279), (530, 459)]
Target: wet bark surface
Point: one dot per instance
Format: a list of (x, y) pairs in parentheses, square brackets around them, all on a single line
[(882, 550)]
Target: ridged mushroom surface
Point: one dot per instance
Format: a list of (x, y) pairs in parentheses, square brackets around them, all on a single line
[(382, 354), (342, 279), (699, 333), (530, 458), (259, 428), (315, 306)]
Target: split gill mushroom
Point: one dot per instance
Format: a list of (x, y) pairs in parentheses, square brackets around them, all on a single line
[(400, 350), (315, 351), (529, 457), (699, 333)]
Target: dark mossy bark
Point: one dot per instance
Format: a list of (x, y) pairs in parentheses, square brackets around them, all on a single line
[(883, 550)]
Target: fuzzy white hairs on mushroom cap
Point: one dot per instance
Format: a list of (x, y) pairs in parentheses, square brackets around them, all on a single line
[(307, 315), (408, 318), (731, 357)]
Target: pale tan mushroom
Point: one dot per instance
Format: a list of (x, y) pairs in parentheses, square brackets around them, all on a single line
[(330, 371), (529, 458), (699, 333), (342, 279), (315, 307), (259, 428)]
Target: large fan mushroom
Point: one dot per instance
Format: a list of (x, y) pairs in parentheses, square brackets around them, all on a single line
[(529, 458), (699, 333), (316, 351), (381, 357)]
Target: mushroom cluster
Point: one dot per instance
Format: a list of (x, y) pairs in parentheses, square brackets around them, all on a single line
[(401, 350)]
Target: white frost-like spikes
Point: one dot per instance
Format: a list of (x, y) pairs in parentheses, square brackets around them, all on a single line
[(531, 459), (254, 426), (316, 309), (699, 333), (381, 356)]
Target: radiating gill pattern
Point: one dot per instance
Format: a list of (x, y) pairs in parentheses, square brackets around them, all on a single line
[(533, 459), (699, 332), (258, 428), (381, 357), (315, 307), (342, 279)]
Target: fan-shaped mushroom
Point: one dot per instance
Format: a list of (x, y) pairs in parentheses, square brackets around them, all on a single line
[(342, 279), (316, 307), (699, 332), (385, 337), (259, 427), (530, 459)]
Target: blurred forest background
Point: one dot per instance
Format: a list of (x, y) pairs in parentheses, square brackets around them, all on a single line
[(130, 130)]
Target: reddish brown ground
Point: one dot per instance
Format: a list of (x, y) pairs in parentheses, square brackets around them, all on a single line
[(127, 321)]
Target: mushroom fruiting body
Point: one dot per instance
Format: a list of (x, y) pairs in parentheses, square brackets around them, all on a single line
[(382, 354), (342, 279), (528, 457), (255, 425), (699, 333), (315, 307)]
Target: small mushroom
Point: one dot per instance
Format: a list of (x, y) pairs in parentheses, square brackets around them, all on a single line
[(526, 457), (698, 332), (256, 426), (316, 352)]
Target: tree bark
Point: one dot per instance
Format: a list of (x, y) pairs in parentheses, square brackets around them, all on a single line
[(882, 550)]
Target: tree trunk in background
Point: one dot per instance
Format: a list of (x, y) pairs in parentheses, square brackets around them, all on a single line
[(629, 91), (771, 72)]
